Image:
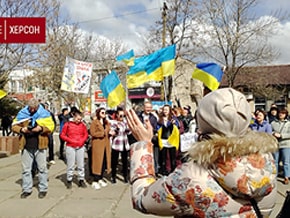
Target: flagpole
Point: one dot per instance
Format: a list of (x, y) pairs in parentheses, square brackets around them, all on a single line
[(163, 45), (128, 103)]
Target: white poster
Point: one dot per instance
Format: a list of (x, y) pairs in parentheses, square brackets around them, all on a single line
[(187, 141), (76, 76)]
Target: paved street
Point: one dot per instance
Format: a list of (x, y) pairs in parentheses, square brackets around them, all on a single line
[(112, 201)]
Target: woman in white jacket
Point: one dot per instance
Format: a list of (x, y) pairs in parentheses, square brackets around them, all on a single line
[(230, 169)]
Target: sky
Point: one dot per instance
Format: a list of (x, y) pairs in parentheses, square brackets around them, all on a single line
[(130, 19)]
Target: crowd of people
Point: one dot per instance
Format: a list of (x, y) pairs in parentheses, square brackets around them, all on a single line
[(105, 138), (276, 123), (236, 154)]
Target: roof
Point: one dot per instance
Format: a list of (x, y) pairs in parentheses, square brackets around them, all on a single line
[(22, 96), (268, 75)]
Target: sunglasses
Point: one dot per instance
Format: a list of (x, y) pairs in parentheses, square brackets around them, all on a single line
[(102, 112), (121, 115)]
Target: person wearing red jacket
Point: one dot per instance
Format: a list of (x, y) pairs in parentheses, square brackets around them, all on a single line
[(75, 133)]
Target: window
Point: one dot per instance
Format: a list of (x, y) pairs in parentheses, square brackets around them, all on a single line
[(13, 86), (281, 102), (20, 88), (260, 102)]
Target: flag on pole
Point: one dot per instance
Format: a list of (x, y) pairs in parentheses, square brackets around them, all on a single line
[(2, 93), (127, 57), (136, 76), (113, 89), (209, 73), (76, 76), (154, 66)]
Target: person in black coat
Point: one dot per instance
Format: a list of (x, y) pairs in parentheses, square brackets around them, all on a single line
[(147, 114)]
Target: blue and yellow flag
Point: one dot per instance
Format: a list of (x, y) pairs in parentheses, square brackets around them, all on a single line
[(127, 57), (42, 117), (173, 139), (209, 73), (2, 94), (137, 75), (113, 90), (154, 66)]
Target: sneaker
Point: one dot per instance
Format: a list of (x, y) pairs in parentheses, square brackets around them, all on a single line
[(69, 184), (52, 162), (96, 185), (41, 195), (102, 183), (25, 194), (82, 184)]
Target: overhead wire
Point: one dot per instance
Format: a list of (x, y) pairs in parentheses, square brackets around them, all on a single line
[(118, 16)]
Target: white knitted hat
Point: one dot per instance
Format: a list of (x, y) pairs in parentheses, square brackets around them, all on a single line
[(225, 112)]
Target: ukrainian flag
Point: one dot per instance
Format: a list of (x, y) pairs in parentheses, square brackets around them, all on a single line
[(113, 90), (209, 73), (2, 94), (127, 57), (173, 139), (136, 76), (42, 117), (154, 66)]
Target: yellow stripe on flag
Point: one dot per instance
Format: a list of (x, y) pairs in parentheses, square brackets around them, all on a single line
[(2, 94), (173, 139), (117, 96), (47, 122), (168, 67), (210, 81), (137, 79)]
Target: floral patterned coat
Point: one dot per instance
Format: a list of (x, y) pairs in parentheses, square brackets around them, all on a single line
[(219, 180)]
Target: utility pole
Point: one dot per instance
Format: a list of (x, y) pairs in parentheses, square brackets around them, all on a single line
[(164, 83), (164, 9)]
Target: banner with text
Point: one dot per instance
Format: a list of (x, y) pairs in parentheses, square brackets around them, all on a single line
[(76, 76), (22, 29)]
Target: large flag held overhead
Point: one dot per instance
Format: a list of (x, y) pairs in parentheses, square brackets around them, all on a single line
[(154, 66), (2, 94), (127, 57), (209, 73), (113, 89), (76, 76)]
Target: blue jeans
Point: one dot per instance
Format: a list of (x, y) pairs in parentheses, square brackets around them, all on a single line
[(73, 155), (27, 158), (285, 158)]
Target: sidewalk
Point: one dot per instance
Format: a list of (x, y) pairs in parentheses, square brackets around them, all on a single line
[(112, 201)]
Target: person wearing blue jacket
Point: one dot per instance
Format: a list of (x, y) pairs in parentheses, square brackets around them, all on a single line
[(260, 123)]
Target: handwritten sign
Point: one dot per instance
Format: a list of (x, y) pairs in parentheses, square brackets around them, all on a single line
[(187, 140)]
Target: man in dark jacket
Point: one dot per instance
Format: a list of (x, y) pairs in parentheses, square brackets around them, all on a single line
[(50, 138), (147, 114), (63, 118)]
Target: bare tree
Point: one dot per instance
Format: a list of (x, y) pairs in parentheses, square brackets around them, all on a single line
[(20, 56), (234, 36), (228, 32), (68, 40)]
